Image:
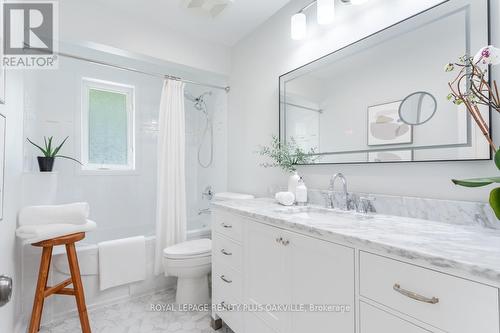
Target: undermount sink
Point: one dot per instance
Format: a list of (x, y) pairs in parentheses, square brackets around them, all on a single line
[(323, 214)]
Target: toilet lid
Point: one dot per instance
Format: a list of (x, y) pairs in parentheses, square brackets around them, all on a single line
[(194, 248)]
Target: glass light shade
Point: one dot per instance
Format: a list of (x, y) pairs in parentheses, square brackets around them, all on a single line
[(299, 26), (326, 11)]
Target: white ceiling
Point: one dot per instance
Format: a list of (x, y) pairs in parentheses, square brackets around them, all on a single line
[(235, 22)]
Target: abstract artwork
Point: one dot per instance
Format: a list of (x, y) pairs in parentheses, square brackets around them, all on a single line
[(385, 127)]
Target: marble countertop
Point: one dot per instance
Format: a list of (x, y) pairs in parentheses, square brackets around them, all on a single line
[(463, 250)]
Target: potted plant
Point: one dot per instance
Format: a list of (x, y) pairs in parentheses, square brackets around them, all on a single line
[(286, 155), (472, 88), (46, 162)]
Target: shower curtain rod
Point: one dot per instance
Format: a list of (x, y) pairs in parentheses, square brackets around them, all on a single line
[(135, 70)]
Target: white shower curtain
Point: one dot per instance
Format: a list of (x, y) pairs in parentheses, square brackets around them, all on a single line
[(171, 225)]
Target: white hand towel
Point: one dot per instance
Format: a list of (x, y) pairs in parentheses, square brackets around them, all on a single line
[(37, 233), (285, 198), (122, 261), (75, 213)]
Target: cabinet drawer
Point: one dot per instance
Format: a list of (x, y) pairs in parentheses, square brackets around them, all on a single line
[(227, 252), (232, 318), (446, 302), (229, 225), (226, 282), (254, 324), (374, 320)]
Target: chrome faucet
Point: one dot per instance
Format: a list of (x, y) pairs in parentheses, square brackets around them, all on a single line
[(208, 193), (344, 188)]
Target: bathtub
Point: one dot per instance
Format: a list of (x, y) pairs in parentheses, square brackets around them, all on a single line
[(88, 254)]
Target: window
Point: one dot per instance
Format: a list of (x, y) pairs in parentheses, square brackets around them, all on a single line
[(107, 126)]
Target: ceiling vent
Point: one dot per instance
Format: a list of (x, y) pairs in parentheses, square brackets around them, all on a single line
[(212, 8)]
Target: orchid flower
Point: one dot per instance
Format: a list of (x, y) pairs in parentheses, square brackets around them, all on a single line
[(488, 55)]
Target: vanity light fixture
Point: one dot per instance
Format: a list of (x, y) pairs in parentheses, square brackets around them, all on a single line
[(299, 26), (325, 15), (325, 11)]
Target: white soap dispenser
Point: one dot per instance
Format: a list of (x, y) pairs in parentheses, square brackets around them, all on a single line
[(301, 193), (293, 182)]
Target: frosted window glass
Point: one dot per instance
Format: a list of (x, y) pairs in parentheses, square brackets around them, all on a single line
[(107, 127)]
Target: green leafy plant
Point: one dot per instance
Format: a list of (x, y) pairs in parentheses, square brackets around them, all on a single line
[(50, 151), (480, 182), (286, 155)]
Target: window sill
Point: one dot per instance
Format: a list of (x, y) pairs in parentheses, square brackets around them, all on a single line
[(107, 172)]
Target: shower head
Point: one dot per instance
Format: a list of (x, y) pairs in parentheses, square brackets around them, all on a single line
[(199, 102)]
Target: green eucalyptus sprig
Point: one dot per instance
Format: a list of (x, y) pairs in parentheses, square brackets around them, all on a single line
[(49, 151), (286, 155)]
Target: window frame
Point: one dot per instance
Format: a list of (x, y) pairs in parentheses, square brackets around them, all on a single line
[(114, 87)]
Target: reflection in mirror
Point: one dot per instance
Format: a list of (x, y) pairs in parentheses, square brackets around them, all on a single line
[(417, 108), (359, 104)]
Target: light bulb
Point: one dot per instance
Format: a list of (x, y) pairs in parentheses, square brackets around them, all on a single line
[(326, 11), (299, 26)]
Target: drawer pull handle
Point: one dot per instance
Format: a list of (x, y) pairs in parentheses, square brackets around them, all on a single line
[(415, 296), (226, 307), (282, 241), (227, 226), (224, 252), (223, 278)]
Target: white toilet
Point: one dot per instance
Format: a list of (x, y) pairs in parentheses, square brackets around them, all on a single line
[(191, 263)]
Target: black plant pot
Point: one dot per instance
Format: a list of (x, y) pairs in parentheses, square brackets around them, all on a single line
[(46, 164)]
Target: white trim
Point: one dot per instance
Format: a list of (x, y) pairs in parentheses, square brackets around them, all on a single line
[(129, 92)]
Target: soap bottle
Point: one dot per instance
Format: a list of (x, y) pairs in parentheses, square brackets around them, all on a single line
[(301, 193), (293, 182)]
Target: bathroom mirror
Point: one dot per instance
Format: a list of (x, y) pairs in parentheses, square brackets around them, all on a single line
[(417, 108), (384, 97)]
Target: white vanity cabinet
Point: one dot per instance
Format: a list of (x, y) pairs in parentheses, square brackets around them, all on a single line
[(271, 266), (283, 268), (227, 268)]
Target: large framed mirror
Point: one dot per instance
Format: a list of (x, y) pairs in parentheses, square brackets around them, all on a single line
[(384, 98)]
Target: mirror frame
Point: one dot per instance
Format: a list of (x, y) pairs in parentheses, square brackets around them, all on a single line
[(392, 26)]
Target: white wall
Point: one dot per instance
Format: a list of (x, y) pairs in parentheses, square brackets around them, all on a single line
[(9, 263), (89, 21), (257, 62), (53, 108)]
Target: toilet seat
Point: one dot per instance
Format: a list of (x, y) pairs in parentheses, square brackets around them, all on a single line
[(198, 248)]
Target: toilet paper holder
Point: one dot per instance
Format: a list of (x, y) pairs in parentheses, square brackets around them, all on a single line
[(5, 289)]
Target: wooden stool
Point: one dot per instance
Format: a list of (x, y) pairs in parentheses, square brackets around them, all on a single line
[(42, 291)]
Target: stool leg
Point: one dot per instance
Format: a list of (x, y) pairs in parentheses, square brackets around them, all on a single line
[(78, 287), (43, 275)]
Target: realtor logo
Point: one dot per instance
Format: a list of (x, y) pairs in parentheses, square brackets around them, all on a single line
[(29, 34)]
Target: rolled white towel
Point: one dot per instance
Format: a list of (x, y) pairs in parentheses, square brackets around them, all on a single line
[(285, 198), (36, 233), (74, 213)]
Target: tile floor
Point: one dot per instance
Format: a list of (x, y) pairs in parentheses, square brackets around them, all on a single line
[(136, 316)]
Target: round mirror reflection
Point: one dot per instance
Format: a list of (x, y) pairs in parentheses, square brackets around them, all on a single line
[(417, 108)]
